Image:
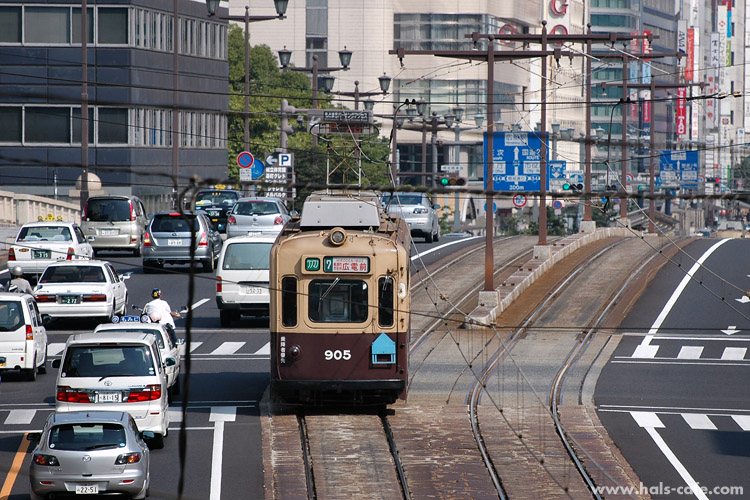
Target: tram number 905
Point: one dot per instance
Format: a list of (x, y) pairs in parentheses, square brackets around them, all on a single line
[(338, 355)]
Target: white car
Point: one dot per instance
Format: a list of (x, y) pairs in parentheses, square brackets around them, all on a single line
[(169, 345), (81, 289), (113, 371), (23, 338), (39, 244), (242, 277)]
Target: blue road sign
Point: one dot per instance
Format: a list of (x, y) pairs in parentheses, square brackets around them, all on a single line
[(516, 161), (679, 168), (256, 171)]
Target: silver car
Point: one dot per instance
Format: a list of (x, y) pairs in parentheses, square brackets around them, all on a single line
[(167, 240), (256, 216), (418, 212), (114, 223), (89, 453)]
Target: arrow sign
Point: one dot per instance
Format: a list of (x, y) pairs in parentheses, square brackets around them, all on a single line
[(743, 300), (731, 330)]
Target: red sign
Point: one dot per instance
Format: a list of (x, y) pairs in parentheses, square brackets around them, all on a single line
[(558, 7), (646, 43), (245, 159), (690, 61), (681, 111)]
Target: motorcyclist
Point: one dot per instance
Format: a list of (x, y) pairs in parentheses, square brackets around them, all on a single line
[(159, 310), (18, 284)]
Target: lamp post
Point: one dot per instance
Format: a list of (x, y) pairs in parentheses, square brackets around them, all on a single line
[(385, 84), (84, 107), (280, 6)]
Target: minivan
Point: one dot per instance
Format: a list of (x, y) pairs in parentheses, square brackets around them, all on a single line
[(242, 277), (23, 338), (114, 223)]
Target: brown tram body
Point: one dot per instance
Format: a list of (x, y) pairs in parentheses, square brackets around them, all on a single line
[(340, 304)]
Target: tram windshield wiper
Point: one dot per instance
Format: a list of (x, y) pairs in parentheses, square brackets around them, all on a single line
[(329, 288)]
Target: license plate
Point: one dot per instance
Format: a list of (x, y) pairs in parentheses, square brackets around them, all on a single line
[(87, 489), (253, 233), (70, 299), (108, 397), (174, 243), (110, 232), (213, 213), (41, 254), (252, 290)]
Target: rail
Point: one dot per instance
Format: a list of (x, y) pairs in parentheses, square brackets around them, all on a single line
[(20, 208)]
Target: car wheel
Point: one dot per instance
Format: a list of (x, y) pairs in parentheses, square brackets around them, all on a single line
[(437, 235), (176, 386), (137, 251), (124, 306), (225, 317), (157, 443), (42, 369), (31, 372), (208, 265), (428, 238)]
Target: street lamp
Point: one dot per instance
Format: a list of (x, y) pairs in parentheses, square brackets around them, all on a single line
[(280, 6), (394, 141), (385, 84)]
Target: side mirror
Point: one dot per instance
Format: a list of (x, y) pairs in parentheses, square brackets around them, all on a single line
[(180, 342), (147, 435), (294, 213), (436, 206), (34, 436), (46, 319), (170, 362), (91, 237), (126, 276), (55, 363)]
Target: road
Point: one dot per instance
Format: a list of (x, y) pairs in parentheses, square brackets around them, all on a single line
[(228, 376), (674, 393)]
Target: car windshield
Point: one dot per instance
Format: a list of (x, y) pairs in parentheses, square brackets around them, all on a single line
[(73, 274), (11, 315), (172, 224), (402, 199), (86, 436), (108, 209), (108, 361), (226, 198), (255, 208), (247, 256), (44, 233)]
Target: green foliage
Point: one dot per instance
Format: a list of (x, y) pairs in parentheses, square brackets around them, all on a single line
[(268, 85), (555, 225)]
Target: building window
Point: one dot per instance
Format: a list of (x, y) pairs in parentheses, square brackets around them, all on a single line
[(10, 24), (77, 25), (113, 126), (47, 125), (47, 25), (77, 125), (10, 124)]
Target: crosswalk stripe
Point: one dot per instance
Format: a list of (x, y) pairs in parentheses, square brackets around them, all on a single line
[(690, 352), (743, 421), (228, 348), (20, 417), (265, 350), (647, 419), (698, 421), (55, 348), (195, 345), (175, 415), (734, 353)]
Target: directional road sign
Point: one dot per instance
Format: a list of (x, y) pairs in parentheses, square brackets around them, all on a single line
[(679, 168), (516, 161)]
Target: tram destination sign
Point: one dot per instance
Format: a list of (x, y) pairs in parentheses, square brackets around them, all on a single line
[(346, 264)]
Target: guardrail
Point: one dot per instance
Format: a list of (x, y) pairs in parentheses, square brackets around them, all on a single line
[(18, 209)]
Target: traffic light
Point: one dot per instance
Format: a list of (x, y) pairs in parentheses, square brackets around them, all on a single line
[(452, 180), (610, 187), (572, 186)]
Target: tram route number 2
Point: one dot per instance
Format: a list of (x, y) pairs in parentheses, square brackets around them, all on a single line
[(338, 355)]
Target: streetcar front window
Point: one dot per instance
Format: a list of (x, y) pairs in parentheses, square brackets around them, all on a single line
[(289, 301), (385, 301), (337, 301)]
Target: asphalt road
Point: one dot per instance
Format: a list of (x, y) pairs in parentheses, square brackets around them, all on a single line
[(228, 375), (674, 395)]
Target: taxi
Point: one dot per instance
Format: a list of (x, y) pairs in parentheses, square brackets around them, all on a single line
[(49, 240), (216, 203), (169, 345)]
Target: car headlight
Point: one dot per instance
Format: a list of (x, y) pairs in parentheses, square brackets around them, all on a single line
[(421, 210)]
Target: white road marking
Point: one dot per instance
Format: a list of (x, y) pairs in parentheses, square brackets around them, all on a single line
[(20, 417), (228, 348), (647, 419), (731, 330), (734, 353), (645, 349), (3, 271), (264, 351), (698, 421), (219, 415), (175, 415), (420, 255), (199, 303), (690, 352), (55, 348), (743, 421), (681, 470), (195, 345)]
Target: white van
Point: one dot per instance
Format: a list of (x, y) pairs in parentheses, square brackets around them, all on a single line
[(115, 371), (242, 277), (23, 338)]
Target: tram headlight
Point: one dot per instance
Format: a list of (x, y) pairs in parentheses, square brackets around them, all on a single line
[(295, 351), (337, 236)]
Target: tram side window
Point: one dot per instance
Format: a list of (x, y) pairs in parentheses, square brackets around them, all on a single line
[(385, 301), (289, 301), (337, 301)]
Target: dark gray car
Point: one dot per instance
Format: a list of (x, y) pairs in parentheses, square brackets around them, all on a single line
[(167, 240)]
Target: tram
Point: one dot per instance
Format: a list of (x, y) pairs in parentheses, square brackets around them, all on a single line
[(339, 312)]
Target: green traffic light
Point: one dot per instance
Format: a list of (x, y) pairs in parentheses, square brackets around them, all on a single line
[(566, 186), (444, 181)]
